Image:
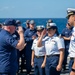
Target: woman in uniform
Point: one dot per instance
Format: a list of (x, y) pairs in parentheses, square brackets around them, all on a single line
[(38, 54), (54, 50)]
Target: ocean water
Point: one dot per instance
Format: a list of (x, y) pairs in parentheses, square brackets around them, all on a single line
[(60, 22)]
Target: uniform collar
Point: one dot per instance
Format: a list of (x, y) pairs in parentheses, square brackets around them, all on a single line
[(5, 31), (53, 36), (73, 29)]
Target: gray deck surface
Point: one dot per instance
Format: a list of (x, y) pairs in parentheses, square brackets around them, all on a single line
[(66, 72)]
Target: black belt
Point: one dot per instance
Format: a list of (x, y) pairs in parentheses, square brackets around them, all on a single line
[(39, 56), (71, 58), (52, 55)]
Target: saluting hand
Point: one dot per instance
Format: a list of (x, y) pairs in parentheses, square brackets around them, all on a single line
[(20, 29), (43, 32)]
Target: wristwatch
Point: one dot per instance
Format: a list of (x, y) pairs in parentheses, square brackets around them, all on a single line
[(73, 70)]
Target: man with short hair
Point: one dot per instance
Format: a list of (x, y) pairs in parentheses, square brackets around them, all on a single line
[(8, 46), (71, 20), (30, 35), (66, 35)]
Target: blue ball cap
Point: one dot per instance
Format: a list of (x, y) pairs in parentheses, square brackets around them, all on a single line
[(27, 21), (50, 21), (10, 22), (32, 22), (18, 22)]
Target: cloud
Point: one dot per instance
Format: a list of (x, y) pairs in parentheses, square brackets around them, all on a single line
[(6, 8)]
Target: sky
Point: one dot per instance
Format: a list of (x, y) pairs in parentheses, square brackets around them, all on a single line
[(35, 8)]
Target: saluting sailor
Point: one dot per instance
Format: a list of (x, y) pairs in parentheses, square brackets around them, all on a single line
[(38, 53), (54, 50), (8, 47), (71, 19)]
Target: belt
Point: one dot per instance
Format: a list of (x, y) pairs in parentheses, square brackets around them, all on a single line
[(39, 56), (52, 55), (71, 58)]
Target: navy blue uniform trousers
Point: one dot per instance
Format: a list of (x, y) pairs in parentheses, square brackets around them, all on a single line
[(8, 73), (70, 64), (37, 66), (51, 64)]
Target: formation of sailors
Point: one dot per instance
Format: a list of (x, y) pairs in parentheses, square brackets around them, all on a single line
[(40, 47)]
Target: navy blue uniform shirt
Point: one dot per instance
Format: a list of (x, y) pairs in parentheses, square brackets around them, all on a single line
[(67, 33), (0, 29), (8, 60), (16, 35), (28, 35)]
